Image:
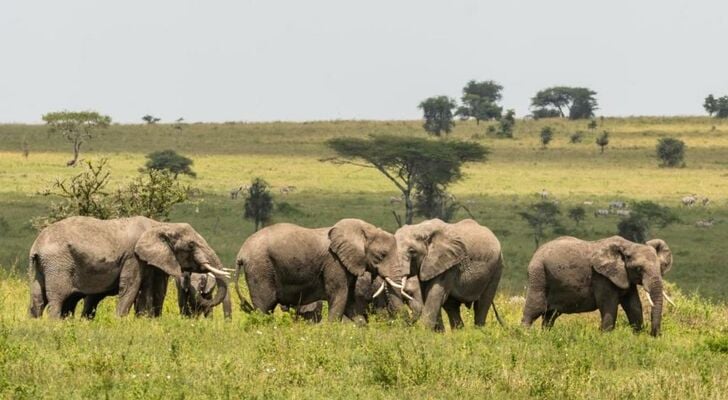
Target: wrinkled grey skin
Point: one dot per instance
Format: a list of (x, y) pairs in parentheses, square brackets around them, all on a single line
[(569, 275), (455, 264), (192, 287), (130, 257), (290, 265)]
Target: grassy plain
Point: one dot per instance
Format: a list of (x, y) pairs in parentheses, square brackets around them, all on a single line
[(275, 357)]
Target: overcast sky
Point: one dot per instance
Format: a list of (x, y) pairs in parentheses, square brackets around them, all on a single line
[(311, 60)]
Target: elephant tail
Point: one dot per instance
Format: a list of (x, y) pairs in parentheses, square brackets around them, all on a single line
[(38, 299), (501, 266), (245, 306), (497, 316)]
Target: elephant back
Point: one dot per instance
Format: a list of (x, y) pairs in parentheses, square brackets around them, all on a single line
[(480, 242)]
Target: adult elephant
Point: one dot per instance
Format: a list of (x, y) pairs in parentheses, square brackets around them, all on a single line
[(86, 257), (290, 265), (569, 275), (193, 288), (455, 264)]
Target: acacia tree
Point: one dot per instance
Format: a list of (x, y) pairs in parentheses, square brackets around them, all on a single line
[(409, 163), (480, 101), (560, 101), (169, 160), (76, 127), (540, 217), (438, 114), (258, 203), (150, 119)]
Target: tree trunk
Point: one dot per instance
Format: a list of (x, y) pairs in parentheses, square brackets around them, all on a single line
[(409, 209), (76, 153)]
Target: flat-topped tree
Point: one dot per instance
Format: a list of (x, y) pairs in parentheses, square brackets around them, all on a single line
[(76, 127), (409, 162), (562, 101)]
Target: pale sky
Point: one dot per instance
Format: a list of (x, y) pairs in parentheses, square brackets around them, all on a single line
[(313, 60)]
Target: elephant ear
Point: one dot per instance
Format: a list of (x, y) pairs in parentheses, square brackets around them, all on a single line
[(444, 250), (608, 261), (663, 254), (154, 248), (348, 241)]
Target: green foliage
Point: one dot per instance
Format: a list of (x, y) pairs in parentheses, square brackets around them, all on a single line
[(541, 217), (480, 101), (506, 124), (152, 194), (592, 125), (602, 141), (716, 107), (258, 203), (84, 194), (577, 214), (170, 161), (150, 119), (576, 137), (410, 163), (671, 151), (547, 134), (643, 216), (433, 201), (579, 102), (76, 127), (438, 114)]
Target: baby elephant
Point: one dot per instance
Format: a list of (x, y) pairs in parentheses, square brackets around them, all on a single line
[(191, 288), (569, 275)]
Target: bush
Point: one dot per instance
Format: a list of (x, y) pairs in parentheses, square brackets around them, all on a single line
[(577, 214), (636, 227), (576, 137), (152, 195), (258, 203), (547, 134), (602, 141), (171, 161), (506, 125), (671, 151)]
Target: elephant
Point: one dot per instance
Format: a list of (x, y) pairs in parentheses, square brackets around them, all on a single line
[(454, 264), (291, 265), (84, 257), (311, 312), (192, 287), (568, 275)]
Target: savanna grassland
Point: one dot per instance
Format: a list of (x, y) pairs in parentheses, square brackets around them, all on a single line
[(275, 357)]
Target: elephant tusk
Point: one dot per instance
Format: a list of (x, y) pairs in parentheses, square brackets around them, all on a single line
[(229, 269), (669, 300), (649, 298), (393, 283), (404, 285), (216, 271), (379, 291)]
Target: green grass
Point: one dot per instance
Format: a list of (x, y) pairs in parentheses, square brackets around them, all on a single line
[(266, 357)]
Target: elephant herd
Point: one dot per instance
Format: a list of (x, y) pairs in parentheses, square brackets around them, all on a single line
[(354, 266)]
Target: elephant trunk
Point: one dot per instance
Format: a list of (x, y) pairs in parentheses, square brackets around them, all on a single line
[(222, 287), (654, 288)]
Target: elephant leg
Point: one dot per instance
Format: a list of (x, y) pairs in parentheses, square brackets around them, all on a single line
[(337, 303), (482, 305), (159, 292), (452, 308), (227, 307), (90, 303), (262, 289), (130, 281), (632, 306), (56, 293), (607, 303), (68, 309), (536, 303), (434, 300), (549, 317), (439, 325)]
